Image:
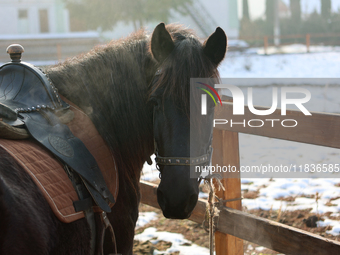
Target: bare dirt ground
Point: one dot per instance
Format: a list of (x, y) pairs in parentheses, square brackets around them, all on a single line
[(194, 232)]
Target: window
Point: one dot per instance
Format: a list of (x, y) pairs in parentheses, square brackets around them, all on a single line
[(43, 18), (23, 26), (23, 14)]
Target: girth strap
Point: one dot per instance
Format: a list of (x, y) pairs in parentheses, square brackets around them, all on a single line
[(46, 128), (83, 204)]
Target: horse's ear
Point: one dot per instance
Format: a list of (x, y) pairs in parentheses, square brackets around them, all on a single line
[(161, 43), (215, 46)]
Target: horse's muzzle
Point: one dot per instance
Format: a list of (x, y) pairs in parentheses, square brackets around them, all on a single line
[(178, 206)]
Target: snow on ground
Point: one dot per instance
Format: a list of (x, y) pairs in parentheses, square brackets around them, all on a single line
[(312, 65), (144, 218), (272, 189), (179, 243)]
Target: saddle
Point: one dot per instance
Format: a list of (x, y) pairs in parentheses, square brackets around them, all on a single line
[(30, 106)]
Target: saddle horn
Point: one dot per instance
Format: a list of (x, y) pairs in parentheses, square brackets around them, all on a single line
[(15, 51)]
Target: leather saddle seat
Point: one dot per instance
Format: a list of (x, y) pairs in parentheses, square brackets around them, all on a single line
[(25, 88)]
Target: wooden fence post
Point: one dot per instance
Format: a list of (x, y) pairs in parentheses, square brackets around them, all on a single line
[(226, 152)]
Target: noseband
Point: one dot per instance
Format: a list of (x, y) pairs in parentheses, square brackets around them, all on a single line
[(203, 160), (184, 161)]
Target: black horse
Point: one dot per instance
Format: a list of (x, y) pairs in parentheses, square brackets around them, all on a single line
[(136, 92)]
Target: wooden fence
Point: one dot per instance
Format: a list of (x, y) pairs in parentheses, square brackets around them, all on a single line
[(234, 225)]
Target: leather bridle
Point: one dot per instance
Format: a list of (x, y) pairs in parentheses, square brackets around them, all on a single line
[(203, 160)]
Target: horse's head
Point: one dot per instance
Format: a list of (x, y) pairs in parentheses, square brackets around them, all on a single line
[(181, 56)]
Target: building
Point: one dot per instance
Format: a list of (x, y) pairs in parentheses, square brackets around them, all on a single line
[(43, 27), (33, 17)]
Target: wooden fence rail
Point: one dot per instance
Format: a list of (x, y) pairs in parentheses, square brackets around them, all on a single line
[(293, 36), (234, 225), (307, 39)]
